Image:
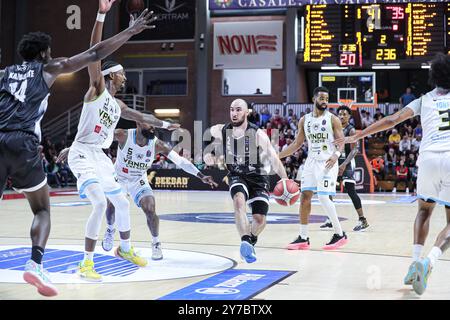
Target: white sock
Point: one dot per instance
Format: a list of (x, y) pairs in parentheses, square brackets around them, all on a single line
[(330, 209), (125, 245), (110, 227), (155, 240), (304, 231), (417, 250), (434, 254), (88, 256)]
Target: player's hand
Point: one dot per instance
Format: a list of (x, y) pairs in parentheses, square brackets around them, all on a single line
[(209, 180), (143, 22), (341, 170), (209, 159), (63, 155), (330, 162), (173, 126), (105, 5)]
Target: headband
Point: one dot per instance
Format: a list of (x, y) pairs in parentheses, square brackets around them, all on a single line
[(112, 69)]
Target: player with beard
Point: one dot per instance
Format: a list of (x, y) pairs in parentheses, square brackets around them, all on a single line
[(320, 128), (249, 156), (136, 153)]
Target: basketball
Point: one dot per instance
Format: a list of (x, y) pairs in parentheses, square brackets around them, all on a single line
[(286, 192), (135, 6)]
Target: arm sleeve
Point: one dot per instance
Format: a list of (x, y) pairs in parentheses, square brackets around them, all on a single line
[(416, 106), (183, 163)]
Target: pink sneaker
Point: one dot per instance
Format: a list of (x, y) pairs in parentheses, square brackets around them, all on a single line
[(336, 242), (37, 276), (299, 244)]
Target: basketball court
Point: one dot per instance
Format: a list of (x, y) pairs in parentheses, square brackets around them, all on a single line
[(199, 241)]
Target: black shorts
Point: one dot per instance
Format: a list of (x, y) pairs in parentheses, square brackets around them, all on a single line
[(20, 160), (256, 188)]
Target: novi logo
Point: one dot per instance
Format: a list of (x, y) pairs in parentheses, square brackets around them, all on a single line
[(217, 291), (247, 44)]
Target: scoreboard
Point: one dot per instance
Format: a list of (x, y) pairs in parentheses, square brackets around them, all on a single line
[(366, 34)]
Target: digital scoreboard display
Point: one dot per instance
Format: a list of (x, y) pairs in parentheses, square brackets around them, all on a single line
[(359, 35)]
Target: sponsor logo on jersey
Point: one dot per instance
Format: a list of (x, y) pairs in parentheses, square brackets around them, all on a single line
[(98, 129)]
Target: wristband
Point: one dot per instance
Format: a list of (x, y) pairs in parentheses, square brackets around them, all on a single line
[(337, 153), (165, 124), (101, 17)]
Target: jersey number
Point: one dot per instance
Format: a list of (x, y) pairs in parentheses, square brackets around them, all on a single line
[(19, 92), (445, 116), (142, 183)]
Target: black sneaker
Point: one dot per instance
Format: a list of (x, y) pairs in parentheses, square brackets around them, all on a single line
[(361, 226), (327, 225), (336, 241), (299, 244)]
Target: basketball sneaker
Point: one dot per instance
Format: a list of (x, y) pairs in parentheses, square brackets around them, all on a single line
[(156, 251), (248, 252), (87, 272), (336, 242), (108, 239), (299, 244), (131, 256), (327, 225), (361, 226), (408, 280), (36, 275), (423, 271)]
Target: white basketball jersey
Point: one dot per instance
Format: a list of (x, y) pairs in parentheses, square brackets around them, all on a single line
[(434, 111), (133, 160), (320, 136), (98, 121)]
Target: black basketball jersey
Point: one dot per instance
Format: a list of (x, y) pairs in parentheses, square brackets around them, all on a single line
[(242, 155), (23, 98), (347, 148)]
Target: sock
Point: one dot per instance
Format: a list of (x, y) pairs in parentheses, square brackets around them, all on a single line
[(304, 231), (88, 256), (330, 210), (155, 240), (246, 238), (36, 254), (253, 238), (125, 245), (362, 218), (110, 227), (417, 250), (434, 254)]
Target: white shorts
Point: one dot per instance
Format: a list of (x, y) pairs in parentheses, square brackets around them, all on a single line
[(315, 177), (137, 189), (433, 177), (91, 165)]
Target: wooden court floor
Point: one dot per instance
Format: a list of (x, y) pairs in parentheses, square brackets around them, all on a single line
[(371, 266)]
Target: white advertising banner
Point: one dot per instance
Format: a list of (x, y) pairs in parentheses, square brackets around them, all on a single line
[(248, 45)]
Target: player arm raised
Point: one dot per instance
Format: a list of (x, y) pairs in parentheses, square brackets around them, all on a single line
[(381, 125), (183, 163), (299, 139), (133, 115), (98, 52), (262, 141)]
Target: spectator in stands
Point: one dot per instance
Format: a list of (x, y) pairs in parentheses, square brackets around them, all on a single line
[(390, 161), (413, 175), (290, 115), (254, 118), (407, 97), (281, 142), (276, 119), (63, 173), (378, 114), (394, 139), (418, 130), (52, 173), (289, 134), (415, 143), (411, 161), (378, 167), (288, 142), (401, 175), (405, 145), (269, 130), (258, 91), (265, 116), (366, 119)]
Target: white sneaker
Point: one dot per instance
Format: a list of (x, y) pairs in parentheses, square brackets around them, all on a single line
[(156, 251), (108, 239), (394, 190), (36, 275)]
